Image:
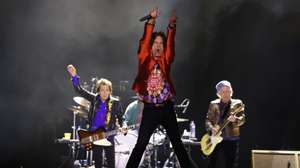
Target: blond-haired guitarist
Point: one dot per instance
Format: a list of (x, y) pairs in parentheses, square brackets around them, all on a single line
[(224, 118), (104, 112)]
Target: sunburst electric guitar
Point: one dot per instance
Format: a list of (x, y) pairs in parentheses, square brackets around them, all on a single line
[(209, 142), (98, 137)]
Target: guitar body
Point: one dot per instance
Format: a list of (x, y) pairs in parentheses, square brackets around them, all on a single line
[(88, 136), (209, 142), (97, 137)]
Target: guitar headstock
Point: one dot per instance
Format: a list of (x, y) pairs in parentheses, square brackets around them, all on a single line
[(237, 108)]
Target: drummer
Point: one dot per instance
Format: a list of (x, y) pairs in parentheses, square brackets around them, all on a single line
[(133, 113)]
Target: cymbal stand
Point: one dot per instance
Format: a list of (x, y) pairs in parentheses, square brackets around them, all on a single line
[(74, 134), (146, 158), (172, 160), (155, 146), (89, 153)]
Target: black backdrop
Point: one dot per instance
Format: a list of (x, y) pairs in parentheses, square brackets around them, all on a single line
[(253, 44)]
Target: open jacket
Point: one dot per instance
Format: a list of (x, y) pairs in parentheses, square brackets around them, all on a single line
[(214, 117), (146, 62), (116, 111)]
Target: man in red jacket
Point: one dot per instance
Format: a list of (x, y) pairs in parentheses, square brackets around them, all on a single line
[(155, 89)]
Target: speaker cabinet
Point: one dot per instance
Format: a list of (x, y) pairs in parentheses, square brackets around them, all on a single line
[(275, 159)]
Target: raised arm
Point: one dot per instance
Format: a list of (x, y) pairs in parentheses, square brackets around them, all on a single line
[(171, 31), (144, 46), (76, 84)]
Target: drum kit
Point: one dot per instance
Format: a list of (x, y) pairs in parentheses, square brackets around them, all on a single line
[(158, 153)]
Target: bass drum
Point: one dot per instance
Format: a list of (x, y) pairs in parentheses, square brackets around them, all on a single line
[(125, 144), (123, 147), (157, 138)]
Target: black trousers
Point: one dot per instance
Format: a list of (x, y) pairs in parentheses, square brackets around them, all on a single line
[(226, 150), (109, 155), (153, 116)]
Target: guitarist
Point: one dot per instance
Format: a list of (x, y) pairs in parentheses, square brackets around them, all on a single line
[(219, 111), (104, 112)]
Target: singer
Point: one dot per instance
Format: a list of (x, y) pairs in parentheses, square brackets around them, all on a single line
[(155, 89)]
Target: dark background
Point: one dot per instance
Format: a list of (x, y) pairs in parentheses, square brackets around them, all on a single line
[(254, 44)]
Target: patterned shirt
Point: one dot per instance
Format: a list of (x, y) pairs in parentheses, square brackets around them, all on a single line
[(158, 88)]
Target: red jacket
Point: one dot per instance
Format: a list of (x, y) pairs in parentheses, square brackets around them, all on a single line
[(146, 62)]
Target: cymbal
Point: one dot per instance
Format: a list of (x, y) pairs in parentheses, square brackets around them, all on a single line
[(182, 119), (79, 111), (82, 101)]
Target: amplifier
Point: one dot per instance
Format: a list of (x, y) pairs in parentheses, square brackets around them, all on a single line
[(275, 159)]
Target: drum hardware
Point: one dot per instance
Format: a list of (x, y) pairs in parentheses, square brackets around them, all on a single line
[(82, 102), (182, 119), (146, 159), (66, 141), (86, 104), (171, 161), (103, 158), (157, 139), (80, 111), (73, 142)]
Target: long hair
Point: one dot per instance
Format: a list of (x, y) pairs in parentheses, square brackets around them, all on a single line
[(161, 34), (103, 81)]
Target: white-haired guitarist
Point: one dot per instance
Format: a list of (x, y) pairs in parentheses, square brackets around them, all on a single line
[(225, 116)]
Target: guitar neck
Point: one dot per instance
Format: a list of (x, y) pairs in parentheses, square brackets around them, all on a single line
[(114, 132), (223, 126)]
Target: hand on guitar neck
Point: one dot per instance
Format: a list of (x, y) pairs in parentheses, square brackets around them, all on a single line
[(123, 129), (215, 129), (232, 118)]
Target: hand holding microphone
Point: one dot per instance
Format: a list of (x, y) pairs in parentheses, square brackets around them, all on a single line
[(154, 13)]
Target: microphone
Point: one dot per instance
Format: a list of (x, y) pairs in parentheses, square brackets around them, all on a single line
[(94, 79), (147, 17)]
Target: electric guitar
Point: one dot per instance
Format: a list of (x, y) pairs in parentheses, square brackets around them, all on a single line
[(209, 142), (98, 137)]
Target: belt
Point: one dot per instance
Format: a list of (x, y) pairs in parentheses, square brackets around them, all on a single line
[(154, 104), (157, 104)]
